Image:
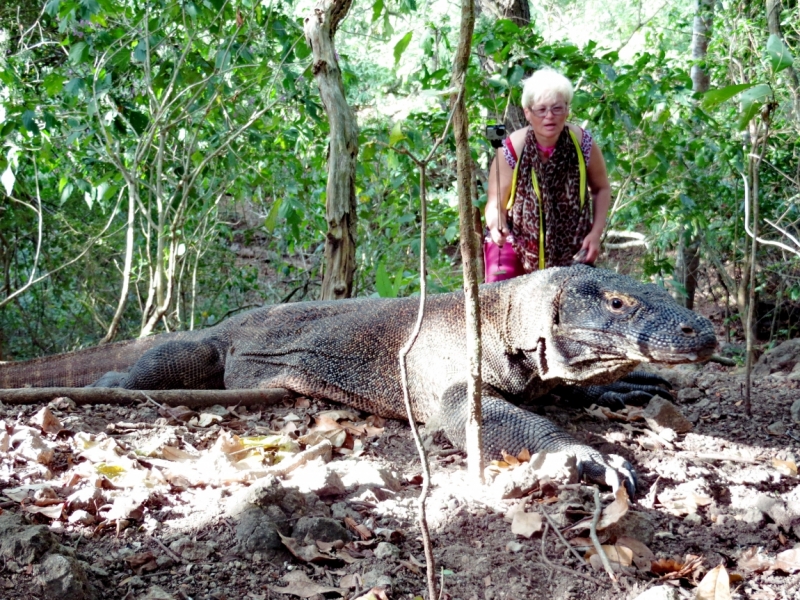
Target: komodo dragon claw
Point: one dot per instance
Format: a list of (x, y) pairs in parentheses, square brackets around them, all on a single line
[(610, 470)]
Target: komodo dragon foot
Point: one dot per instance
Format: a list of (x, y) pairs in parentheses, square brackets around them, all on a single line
[(507, 427), (637, 389)]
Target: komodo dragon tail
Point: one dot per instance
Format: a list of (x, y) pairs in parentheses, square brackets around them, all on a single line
[(78, 368)]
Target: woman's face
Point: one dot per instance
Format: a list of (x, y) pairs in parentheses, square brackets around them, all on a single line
[(547, 117)]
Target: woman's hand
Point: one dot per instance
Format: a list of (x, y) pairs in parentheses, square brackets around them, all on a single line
[(590, 249), (499, 234)]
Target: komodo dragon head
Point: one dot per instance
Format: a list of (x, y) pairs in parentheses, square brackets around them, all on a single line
[(604, 324)]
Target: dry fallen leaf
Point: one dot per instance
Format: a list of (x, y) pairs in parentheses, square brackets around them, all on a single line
[(300, 585), (642, 555), (785, 467), (715, 585), (376, 593), (510, 460), (526, 524), (673, 569), (46, 421), (618, 556), (310, 553), (752, 560), (788, 561), (614, 511), (362, 530)]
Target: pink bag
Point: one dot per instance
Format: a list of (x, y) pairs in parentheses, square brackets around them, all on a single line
[(500, 262)]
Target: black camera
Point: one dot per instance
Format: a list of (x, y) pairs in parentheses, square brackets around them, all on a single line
[(496, 134)]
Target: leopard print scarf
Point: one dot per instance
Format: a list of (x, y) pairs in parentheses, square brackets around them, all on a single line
[(566, 224)]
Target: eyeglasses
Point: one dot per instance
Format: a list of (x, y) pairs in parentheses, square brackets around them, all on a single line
[(541, 111)]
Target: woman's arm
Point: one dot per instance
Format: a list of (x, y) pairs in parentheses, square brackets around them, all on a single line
[(601, 198), (496, 213)]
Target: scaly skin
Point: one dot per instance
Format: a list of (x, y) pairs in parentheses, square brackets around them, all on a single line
[(564, 326)]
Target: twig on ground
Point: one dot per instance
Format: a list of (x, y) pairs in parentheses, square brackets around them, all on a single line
[(190, 398), (546, 560), (716, 456), (596, 541), (556, 567), (301, 458), (564, 541), (173, 555)]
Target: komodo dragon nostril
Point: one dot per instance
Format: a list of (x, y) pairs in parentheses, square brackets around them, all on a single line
[(687, 330)]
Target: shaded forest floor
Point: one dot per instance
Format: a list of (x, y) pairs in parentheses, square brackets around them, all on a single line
[(144, 502)]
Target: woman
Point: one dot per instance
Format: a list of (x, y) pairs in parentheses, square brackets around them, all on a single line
[(554, 223)]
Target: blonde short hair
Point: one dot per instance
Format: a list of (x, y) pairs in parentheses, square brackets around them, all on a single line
[(546, 85)]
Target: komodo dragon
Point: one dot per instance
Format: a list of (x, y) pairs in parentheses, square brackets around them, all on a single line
[(575, 326)]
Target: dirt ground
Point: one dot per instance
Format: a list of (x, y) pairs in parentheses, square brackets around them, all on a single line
[(147, 502)]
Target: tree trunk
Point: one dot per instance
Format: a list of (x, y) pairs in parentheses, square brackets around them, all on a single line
[(688, 260), (469, 242), (519, 12), (340, 241)]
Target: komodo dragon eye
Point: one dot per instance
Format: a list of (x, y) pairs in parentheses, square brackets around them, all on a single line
[(619, 304)]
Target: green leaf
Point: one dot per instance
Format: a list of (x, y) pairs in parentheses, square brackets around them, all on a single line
[(713, 98), (397, 134), (29, 121), (493, 45), (302, 48), (51, 8), (53, 84), (779, 56), (377, 9), (401, 46), (272, 217), (74, 86), (78, 53), (382, 284), (752, 101)]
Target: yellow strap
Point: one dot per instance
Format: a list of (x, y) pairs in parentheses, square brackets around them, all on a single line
[(581, 165), (535, 181)]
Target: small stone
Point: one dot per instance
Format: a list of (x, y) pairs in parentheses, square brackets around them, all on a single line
[(795, 411), (752, 515), (155, 592), (387, 550), (258, 529), (777, 428), (662, 414), (63, 578), (690, 394), (377, 578), (693, 519), (660, 592), (514, 546), (319, 529), (191, 550), (634, 524)]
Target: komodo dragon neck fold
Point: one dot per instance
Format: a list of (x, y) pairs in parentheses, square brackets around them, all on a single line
[(575, 325)]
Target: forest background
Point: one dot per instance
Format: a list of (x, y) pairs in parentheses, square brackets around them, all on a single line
[(164, 163)]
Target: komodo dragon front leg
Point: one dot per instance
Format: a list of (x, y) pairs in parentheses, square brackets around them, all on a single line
[(512, 429)]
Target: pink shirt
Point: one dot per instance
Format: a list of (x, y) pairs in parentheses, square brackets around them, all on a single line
[(511, 155)]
